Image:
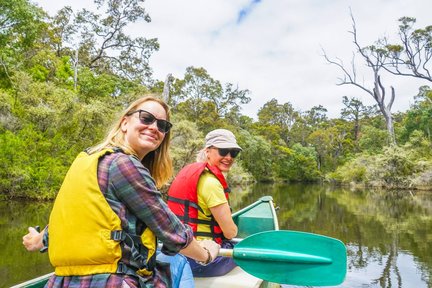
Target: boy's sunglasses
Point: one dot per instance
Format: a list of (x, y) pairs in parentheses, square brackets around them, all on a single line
[(147, 118), (224, 152)]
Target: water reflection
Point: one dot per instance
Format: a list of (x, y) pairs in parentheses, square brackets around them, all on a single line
[(18, 265), (388, 235)]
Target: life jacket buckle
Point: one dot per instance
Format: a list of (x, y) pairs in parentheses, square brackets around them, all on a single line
[(118, 235)]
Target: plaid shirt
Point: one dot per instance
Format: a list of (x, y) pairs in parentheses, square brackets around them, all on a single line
[(131, 192)]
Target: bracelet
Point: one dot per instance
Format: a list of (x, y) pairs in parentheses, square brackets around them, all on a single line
[(209, 258)]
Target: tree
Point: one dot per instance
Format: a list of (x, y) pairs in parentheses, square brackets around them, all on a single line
[(353, 111), (378, 92), (316, 116), (201, 97), (102, 41), (256, 155), (21, 25), (301, 165), (186, 141), (412, 56), (419, 117), (282, 116)]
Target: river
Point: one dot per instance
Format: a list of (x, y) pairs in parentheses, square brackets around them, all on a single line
[(388, 234)]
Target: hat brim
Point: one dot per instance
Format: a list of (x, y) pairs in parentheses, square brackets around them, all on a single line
[(227, 145)]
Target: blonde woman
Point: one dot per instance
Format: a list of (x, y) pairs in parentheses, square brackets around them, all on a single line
[(108, 214)]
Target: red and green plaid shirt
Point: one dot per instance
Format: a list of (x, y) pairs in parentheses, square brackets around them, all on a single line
[(131, 192)]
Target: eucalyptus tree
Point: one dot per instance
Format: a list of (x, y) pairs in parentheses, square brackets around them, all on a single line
[(186, 141), (21, 26), (354, 111), (257, 155), (411, 56), (103, 44), (419, 116), (280, 116), (203, 98)]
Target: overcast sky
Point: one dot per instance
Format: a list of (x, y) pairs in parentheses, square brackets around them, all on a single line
[(274, 48)]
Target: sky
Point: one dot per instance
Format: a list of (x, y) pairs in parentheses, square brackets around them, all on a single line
[(274, 48)]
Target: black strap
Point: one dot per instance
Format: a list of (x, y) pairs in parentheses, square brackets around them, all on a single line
[(133, 241), (208, 234), (185, 202)]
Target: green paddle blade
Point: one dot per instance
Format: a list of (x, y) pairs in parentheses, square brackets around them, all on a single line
[(291, 257)]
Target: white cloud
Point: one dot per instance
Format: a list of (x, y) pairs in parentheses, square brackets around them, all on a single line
[(275, 51)]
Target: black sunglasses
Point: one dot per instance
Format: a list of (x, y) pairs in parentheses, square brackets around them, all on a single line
[(224, 152), (147, 118)]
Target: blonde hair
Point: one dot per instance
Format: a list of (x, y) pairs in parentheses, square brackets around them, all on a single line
[(202, 155), (158, 161)]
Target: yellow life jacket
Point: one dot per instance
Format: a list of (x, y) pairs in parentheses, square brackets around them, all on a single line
[(84, 232)]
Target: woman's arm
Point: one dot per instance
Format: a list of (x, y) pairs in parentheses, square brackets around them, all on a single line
[(222, 215), (136, 189)]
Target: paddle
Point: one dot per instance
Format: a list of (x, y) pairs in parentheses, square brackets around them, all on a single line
[(291, 257)]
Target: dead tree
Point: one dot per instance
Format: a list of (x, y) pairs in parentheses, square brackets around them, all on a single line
[(166, 88), (378, 91)]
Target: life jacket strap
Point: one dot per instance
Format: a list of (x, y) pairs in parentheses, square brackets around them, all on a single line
[(208, 234), (133, 241), (184, 202)]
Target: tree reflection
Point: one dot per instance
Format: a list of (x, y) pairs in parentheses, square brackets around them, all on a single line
[(376, 226)]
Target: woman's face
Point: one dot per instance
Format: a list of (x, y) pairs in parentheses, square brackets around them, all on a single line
[(224, 163), (144, 138)]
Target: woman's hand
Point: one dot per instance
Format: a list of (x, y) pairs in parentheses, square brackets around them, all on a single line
[(33, 240), (212, 247)]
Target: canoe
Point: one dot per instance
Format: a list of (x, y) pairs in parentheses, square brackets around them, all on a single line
[(257, 217)]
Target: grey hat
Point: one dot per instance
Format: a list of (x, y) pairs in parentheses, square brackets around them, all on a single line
[(221, 138)]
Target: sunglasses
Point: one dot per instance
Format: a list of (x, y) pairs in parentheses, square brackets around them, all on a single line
[(224, 152), (147, 118)]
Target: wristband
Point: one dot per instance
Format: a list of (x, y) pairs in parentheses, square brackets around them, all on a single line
[(209, 258)]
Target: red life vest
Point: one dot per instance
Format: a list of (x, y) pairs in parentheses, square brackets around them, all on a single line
[(183, 199)]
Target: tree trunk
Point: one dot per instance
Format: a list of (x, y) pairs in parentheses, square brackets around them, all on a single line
[(379, 95)]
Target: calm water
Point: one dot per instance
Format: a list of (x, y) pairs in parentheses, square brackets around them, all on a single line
[(388, 234)]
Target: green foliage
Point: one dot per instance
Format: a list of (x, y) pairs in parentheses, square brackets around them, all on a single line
[(277, 117), (256, 155), (186, 142), (298, 164), (28, 169), (104, 46), (200, 93), (396, 164), (372, 139), (20, 23), (395, 167), (47, 116), (419, 117)]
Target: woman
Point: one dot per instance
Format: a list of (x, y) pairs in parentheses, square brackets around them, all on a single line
[(199, 197), (108, 213)]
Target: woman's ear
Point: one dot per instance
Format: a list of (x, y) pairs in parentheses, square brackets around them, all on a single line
[(123, 125)]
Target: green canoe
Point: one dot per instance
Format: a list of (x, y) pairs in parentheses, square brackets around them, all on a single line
[(257, 217)]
